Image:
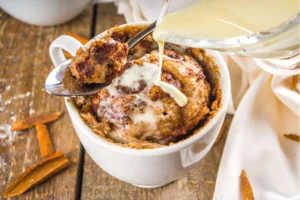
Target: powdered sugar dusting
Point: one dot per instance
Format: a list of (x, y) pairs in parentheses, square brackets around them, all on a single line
[(2, 163), (13, 118), (20, 96), (3, 169), (7, 133), (7, 136), (31, 111)]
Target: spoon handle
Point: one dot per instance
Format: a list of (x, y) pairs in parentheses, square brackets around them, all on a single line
[(141, 35)]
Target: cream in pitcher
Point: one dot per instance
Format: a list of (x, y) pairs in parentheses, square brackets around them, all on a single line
[(217, 24), (226, 18)]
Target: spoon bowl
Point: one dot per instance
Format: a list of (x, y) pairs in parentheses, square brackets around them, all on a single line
[(60, 82)]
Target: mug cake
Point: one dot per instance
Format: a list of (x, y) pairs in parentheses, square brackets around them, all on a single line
[(132, 111)]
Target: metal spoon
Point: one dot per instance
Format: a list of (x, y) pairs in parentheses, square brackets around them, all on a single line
[(60, 82)]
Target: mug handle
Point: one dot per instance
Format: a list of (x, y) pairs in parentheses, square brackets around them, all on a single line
[(197, 151), (63, 42)]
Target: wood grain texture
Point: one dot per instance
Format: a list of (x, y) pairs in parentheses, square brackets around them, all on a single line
[(198, 184), (107, 17), (24, 65)]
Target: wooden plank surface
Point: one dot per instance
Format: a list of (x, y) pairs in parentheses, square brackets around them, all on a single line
[(24, 65), (107, 17), (198, 184)]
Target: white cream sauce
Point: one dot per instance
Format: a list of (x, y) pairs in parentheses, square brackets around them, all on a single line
[(131, 79)]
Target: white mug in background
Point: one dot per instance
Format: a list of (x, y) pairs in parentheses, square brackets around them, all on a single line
[(45, 12), (148, 168)]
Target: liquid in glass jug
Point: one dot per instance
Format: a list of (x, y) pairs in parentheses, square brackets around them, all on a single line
[(266, 30)]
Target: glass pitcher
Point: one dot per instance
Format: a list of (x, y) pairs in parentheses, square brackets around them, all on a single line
[(275, 50)]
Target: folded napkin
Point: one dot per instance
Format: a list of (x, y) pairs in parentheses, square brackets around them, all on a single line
[(256, 141), (264, 108)]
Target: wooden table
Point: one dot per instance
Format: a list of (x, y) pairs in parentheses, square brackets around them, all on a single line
[(24, 65)]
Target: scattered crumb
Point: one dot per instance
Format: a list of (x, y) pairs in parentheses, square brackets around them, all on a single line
[(193, 184), (73, 159), (182, 182), (209, 182)]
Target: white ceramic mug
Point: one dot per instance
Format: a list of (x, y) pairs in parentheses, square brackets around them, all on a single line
[(44, 12), (147, 168)]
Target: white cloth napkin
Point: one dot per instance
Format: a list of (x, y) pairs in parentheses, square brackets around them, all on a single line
[(264, 110), (255, 143)]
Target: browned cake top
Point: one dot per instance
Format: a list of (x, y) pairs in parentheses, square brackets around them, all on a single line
[(100, 61), (133, 111)]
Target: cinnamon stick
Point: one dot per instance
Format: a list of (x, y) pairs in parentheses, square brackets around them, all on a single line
[(36, 174), (246, 187), (82, 40), (293, 137), (32, 121), (222, 130), (46, 147)]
